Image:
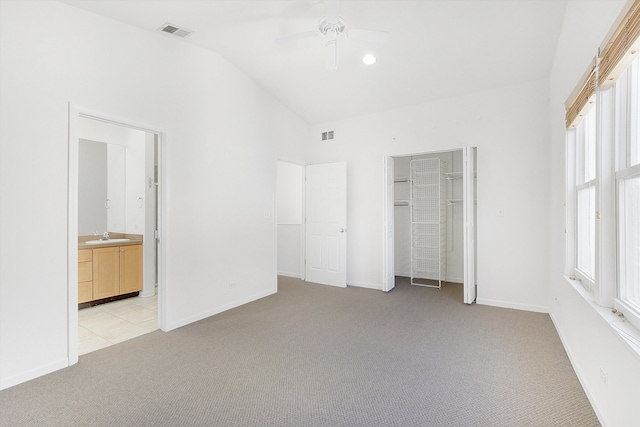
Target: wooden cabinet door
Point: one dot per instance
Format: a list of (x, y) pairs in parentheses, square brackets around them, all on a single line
[(106, 272), (85, 292), (130, 269)]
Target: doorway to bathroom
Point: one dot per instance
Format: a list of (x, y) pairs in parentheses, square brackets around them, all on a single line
[(115, 217)]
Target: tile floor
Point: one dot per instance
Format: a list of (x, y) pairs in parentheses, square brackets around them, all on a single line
[(103, 325)]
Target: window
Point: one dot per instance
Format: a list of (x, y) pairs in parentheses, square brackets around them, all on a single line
[(603, 173), (586, 197), (627, 177)]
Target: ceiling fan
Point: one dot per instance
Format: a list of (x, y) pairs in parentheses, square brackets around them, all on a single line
[(331, 26)]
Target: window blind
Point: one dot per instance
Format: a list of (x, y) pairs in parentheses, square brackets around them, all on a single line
[(615, 56), (578, 104), (621, 48)]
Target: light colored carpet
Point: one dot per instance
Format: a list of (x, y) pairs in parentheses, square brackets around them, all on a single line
[(313, 355)]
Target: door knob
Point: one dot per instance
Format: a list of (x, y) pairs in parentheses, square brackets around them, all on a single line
[(343, 230)]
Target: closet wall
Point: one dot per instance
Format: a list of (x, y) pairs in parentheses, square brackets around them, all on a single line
[(402, 217)]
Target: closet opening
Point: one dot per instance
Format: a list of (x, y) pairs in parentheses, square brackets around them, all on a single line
[(430, 215)]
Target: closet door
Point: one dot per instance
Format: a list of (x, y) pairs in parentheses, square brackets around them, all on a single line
[(389, 279), (469, 219)]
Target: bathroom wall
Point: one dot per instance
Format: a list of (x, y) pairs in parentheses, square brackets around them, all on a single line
[(127, 197), (92, 188)]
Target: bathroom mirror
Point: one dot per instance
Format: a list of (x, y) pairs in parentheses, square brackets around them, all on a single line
[(101, 187)]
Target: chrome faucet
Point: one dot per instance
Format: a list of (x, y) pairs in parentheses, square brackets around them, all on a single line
[(105, 236)]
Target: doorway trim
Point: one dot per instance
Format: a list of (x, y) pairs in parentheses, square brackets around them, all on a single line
[(75, 112), (388, 226)]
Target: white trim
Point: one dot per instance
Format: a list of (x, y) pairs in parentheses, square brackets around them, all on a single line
[(367, 285), (629, 172), (514, 305), (569, 351), (631, 314), (388, 226), (147, 294), (289, 274), (612, 320), (208, 313), (72, 237), (584, 279), (606, 218), (34, 373), (76, 111)]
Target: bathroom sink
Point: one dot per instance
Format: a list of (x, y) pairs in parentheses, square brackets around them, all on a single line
[(104, 242)]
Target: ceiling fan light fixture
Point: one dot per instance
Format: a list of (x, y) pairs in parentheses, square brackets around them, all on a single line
[(369, 59)]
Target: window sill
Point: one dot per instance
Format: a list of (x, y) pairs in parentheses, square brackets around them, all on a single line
[(620, 326)]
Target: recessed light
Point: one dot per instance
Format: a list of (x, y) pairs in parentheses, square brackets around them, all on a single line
[(369, 59)]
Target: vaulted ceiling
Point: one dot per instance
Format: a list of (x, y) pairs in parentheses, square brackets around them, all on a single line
[(437, 49)]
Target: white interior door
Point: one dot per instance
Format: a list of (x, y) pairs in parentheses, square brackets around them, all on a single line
[(389, 279), (469, 220), (326, 224)]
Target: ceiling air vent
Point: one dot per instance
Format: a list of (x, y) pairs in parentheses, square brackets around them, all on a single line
[(174, 30), (328, 136)]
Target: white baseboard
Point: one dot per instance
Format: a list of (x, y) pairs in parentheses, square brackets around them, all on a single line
[(514, 305), (289, 274), (203, 315), (34, 373), (579, 374), (365, 285)]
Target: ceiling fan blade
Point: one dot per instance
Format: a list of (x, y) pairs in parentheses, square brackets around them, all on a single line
[(368, 35), (331, 53), (331, 10), (298, 36)]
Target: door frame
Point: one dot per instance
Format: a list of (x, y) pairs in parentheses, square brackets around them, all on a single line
[(388, 250), (75, 112)]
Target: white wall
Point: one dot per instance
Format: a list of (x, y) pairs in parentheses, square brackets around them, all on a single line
[(510, 128), (223, 135), (591, 344)]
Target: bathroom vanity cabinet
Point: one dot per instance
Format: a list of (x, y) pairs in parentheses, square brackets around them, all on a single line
[(109, 271)]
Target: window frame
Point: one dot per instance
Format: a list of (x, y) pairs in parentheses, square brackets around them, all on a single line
[(583, 174), (627, 128)]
